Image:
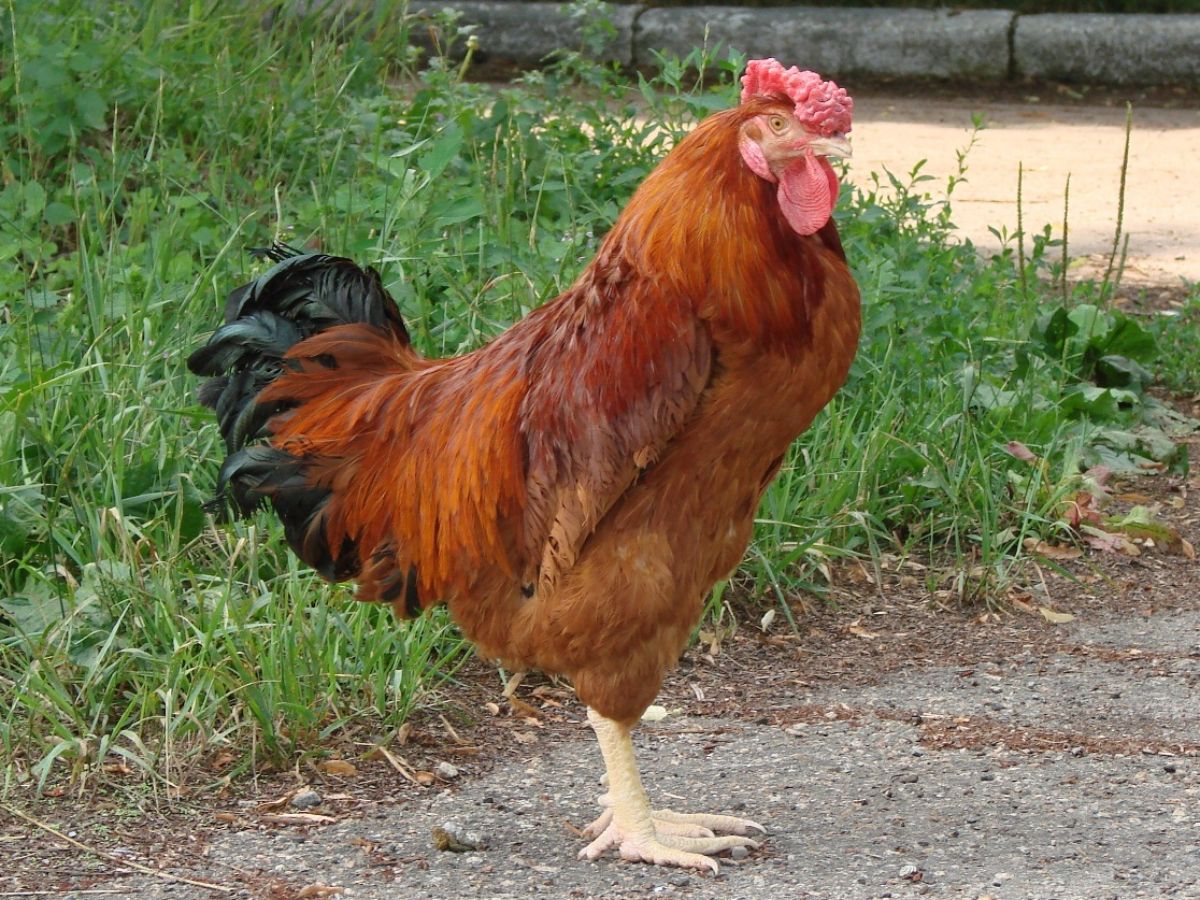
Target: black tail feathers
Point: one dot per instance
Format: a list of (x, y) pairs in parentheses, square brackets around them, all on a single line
[(301, 295)]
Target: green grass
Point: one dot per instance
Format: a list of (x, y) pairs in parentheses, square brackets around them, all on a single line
[(152, 144)]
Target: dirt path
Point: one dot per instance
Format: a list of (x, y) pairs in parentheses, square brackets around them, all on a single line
[(1010, 759), (1162, 212)]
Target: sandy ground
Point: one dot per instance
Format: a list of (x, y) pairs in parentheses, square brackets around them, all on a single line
[(1162, 209)]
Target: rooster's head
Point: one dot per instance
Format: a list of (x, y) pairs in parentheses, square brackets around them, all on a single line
[(795, 121)]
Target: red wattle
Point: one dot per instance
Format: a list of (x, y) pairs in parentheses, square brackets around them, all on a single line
[(807, 194)]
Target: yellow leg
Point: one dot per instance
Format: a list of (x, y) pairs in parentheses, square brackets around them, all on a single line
[(642, 835)]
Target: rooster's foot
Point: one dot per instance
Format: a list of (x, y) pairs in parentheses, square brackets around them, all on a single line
[(696, 825), (664, 848), (640, 834)]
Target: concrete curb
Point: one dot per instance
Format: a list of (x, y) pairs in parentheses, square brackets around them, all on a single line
[(900, 42), (1130, 49), (983, 45)]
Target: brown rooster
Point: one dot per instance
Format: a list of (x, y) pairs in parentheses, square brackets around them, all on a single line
[(573, 489)]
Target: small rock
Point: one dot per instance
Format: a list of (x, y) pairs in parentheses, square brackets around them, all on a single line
[(453, 837), (908, 871), (738, 853), (446, 770), (306, 799)]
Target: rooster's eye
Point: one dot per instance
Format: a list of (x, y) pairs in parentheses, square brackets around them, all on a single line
[(777, 123)]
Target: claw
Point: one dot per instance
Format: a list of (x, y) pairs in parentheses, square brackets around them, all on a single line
[(659, 851), (710, 822), (679, 824)]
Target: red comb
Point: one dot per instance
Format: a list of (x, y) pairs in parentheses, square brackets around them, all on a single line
[(821, 105)]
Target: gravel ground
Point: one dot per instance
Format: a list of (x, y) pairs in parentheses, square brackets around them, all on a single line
[(1072, 775)]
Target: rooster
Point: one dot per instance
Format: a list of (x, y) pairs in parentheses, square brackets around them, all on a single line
[(572, 490)]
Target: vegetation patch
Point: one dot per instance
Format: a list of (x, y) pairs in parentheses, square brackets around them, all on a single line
[(150, 145)]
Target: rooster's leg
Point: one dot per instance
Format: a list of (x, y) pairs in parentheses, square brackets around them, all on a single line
[(640, 834)]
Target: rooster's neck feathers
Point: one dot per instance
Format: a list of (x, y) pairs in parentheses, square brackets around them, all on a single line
[(757, 276)]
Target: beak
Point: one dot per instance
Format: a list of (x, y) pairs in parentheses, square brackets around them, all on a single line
[(838, 146)]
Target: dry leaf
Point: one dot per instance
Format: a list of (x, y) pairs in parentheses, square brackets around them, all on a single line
[(493, 708), (1136, 498), (318, 890), (296, 819), (425, 778), (856, 629), (768, 617), (712, 638), (1186, 548), (1054, 616), (521, 709), (1021, 604), (399, 763), (546, 695), (1019, 451), (454, 735), (1079, 509), (525, 737), (338, 767), (1052, 551), (222, 760), (277, 803)]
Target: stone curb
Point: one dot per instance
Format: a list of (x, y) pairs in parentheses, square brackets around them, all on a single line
[(982, 45)]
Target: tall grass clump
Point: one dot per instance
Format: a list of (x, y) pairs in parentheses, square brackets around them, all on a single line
[(151, 144)]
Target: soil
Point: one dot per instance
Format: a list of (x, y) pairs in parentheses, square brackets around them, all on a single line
[(1052, 140), (898, 743)]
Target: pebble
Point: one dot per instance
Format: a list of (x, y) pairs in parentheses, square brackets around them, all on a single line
[(738, 853), (454, 837), (306, 799), (446, 770)]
